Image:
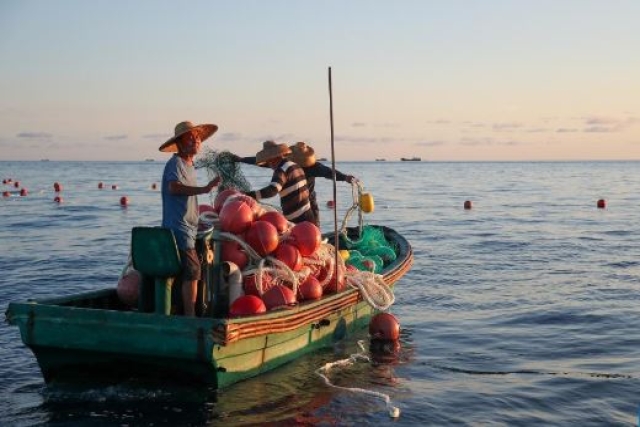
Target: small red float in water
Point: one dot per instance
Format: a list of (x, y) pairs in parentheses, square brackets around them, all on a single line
[(24, 192), (114, 187), (331, 204), (57, 187), (289, 255), (306, 237), (467, 204), (384, 326), (602, 204), (247, 305), (100, 185), (277, 219), (262, 236), (6, 194), (235, 217), (310, 289), (154, 186), (278, 296), (124, 201), (128, 288), (4, 181), (57, 199), (222, 197), (16, 184)]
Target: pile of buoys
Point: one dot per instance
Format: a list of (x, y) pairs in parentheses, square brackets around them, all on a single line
[(281, 263)]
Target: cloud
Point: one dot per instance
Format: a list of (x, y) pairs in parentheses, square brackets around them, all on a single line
[(506, 126), (474, 142), (34, 135), (115, 137), (566, 130), (601, 129)]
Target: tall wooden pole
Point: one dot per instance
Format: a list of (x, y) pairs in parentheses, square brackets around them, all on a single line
[(335, 191)]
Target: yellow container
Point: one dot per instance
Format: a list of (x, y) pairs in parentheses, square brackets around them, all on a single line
[(344, 254), (366, 202)]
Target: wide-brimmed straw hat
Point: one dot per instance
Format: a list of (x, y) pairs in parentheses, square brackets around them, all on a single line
[(302, 154), (271, 150), (205, 131)]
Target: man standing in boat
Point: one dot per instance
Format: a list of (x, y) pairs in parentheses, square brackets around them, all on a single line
[(180, 204), (288, 181), (304, 156)]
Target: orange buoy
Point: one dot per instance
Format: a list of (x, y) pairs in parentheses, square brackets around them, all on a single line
[(384, 326), (100, 185), (6, 194), (250, 285), (289, 255), (277, 219), (467, 204), (154, 186), (306, 237), (124, 201), (262, 236), (24, 192), (310, 289), (231, 252), (602, 204), (222, 197), (331, 204), (57, 199), (235, 217), (278, 296), (247, 305), (57, 187), (128, 288)]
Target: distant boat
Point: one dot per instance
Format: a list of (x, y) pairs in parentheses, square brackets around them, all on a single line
[(149, 160), (323, 159), (410, 159), (381, 160), (44, 160)]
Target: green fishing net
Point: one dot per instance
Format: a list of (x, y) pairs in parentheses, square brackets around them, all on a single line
[(371, 252), (222, 164)]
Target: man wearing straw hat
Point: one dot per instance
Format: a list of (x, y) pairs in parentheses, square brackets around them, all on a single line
[(180, 204), (304, 156), (288, 180)]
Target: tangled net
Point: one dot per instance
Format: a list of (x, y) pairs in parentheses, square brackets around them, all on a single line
[(222, 164)]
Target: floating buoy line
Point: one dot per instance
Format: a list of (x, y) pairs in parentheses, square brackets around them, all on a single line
[(322, 372)]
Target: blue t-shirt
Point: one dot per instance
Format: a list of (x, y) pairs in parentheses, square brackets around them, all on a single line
[(180, 213)]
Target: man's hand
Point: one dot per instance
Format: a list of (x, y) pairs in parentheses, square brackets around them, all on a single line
[(212, 184)]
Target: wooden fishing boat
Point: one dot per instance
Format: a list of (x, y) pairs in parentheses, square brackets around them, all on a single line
[(94, 335)]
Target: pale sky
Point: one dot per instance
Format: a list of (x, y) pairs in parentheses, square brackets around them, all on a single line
[(447, 80)]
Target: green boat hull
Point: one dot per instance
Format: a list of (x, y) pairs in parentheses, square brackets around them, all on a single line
[(94, 335)]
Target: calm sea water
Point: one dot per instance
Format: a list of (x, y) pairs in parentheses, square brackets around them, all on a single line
[(524, 310)]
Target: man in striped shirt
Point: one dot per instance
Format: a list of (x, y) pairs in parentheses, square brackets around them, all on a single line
[(288, 181)]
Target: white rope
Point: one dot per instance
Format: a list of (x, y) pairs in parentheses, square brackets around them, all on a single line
[(372, 288), (394, 411)]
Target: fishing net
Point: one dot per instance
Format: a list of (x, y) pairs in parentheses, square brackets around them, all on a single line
[(223, 164), (371, 251)]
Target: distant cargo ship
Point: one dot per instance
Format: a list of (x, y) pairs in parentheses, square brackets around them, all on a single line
[(322, 159), (410, 159), (381, 160)]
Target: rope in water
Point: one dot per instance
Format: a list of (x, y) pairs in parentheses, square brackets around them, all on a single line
[(322, 372)]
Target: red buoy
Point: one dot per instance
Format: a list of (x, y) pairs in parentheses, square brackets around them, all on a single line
[(222, 197), (250, 285), (384, 326), (114, 187), (602, 204), (100, 185), (289, 255), (306, 237), (57, 199), (277, 219), (6, 194), (124, 201), (57, 187), (278, 296), (331, 204), (232, 252), (4, 181), (204, 208), (310, 289), (253, 204), (24, 192), (262, 236), (247, 305), (154, 186), (235, 217), (16, 184), (128, 288), (467, 204)]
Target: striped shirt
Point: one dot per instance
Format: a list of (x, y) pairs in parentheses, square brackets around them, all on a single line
[(290, 182)]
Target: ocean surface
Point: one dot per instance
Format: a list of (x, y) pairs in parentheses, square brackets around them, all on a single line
[(522, 311)]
